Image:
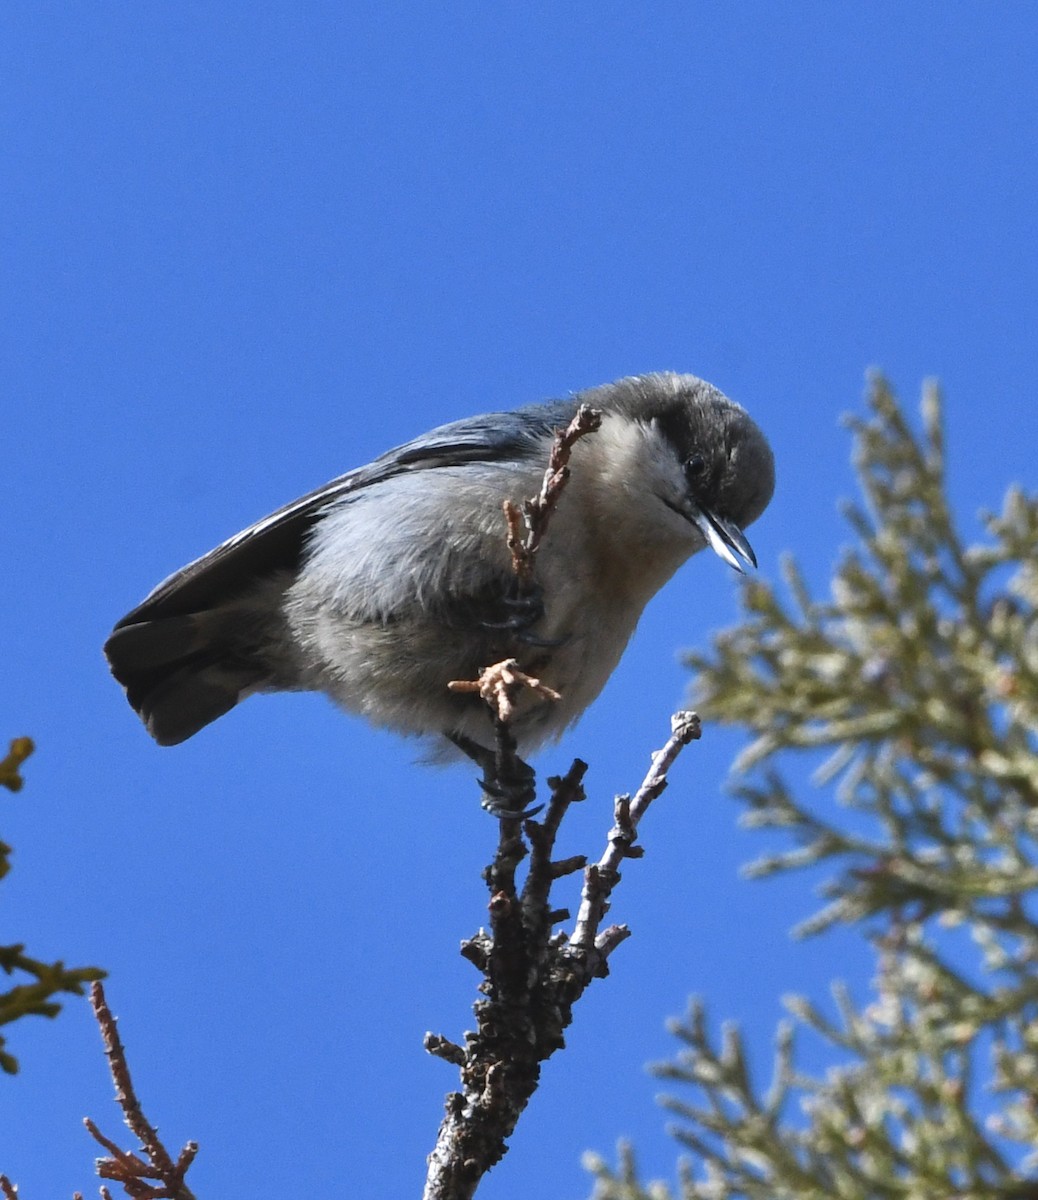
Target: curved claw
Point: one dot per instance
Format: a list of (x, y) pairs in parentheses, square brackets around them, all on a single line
[(506, 799), (504, 813), (527, 609)]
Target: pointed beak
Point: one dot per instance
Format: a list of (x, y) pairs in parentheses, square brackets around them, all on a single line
[(725, 538)]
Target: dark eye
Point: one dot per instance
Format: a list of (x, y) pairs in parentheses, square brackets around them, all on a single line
[(695, 466)]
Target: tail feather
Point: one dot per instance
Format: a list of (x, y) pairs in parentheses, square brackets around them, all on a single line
[(182, 672)]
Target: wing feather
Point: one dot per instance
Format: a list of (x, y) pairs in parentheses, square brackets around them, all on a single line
[(276, 543)]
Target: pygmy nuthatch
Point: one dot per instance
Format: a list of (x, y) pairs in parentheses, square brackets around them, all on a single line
[(392, 580)]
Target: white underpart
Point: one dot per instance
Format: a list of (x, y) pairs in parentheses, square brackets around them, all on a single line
[(362, 616)]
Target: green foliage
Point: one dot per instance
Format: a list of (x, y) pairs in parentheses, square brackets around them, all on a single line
[(10, 776), (918, 681), (48, 979)]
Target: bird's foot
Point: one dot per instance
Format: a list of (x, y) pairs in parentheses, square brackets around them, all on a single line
[(507, 783)]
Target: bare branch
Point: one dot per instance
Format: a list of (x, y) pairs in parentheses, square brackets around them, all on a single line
[(532, 976), (137, 1176), (602, 877), (537, 512)]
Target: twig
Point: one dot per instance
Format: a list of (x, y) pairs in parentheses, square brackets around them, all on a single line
[(601, 877), (124, 1167), (537, 511), (508, 781), (567, 790), (532, 976)]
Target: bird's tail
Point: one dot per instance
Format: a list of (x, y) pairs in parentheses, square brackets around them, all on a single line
[(181, 672)]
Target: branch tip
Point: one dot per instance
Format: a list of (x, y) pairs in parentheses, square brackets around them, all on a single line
[(441, 1047)]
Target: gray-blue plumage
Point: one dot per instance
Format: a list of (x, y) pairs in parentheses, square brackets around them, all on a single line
[(388, 582)]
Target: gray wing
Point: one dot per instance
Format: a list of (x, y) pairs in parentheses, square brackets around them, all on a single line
[(276, 543)]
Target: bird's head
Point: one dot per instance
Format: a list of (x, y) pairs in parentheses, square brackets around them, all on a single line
[(693, 456)]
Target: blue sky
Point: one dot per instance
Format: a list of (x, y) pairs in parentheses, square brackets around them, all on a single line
[(247, 247)]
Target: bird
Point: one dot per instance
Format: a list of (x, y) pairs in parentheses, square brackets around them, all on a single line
[(389, 582)]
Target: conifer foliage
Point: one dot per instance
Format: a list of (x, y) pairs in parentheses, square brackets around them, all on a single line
[(916, 682), (39, 982)]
